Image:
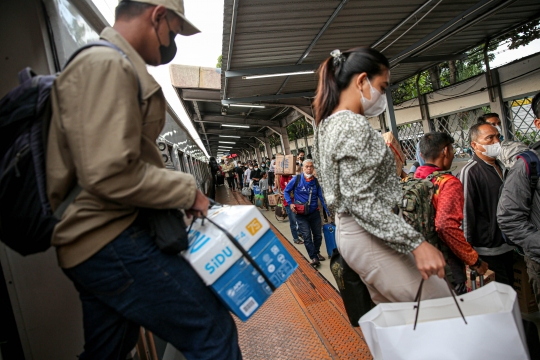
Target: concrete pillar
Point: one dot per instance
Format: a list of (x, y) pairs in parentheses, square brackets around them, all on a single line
[(497, 105), (390, 115), (424, 110)]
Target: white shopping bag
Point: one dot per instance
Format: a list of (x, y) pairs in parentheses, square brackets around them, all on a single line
[(493, 330)]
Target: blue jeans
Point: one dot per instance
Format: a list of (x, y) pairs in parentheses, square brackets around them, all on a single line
[(292, 222), (131, 283), (310, 226)]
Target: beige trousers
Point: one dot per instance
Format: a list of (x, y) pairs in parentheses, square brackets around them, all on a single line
[(389, 275)]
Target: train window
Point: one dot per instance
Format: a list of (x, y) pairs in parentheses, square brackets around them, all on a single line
[(69, 27)]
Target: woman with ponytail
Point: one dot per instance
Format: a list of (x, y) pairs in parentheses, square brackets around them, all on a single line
[(358, 175)]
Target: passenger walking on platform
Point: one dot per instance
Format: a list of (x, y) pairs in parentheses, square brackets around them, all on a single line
[(448, 201), (283, 182), (263, 183), (306, 194), (358, 173), (493, 119), (482, 179), (271, 174), (299, 161), (518, 212), (107, 112), (228, 168), (239, 170)]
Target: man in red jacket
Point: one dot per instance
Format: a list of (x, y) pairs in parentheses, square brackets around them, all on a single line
[(448, 200)]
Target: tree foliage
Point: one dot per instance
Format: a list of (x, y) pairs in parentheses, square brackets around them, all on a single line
[(219, 60), (450, 72), (299, 129), (524, 35)]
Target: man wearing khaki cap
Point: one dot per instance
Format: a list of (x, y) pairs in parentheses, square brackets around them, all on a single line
[(107, 113)]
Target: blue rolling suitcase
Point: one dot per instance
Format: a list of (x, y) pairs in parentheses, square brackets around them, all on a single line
[(329, 231)]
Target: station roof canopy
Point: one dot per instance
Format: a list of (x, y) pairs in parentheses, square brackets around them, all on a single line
[(278, 37)]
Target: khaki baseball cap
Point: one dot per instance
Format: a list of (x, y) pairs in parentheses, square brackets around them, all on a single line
[(176, 6)]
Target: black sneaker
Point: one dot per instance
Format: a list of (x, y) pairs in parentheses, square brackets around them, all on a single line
[(315, 262), (322, 258)]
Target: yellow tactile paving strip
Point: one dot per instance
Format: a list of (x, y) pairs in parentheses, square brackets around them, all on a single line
[(304, 318)]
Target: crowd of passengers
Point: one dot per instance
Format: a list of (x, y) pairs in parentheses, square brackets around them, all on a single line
[(105, 243)]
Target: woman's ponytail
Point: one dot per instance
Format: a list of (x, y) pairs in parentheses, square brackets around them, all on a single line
[(335, 74)]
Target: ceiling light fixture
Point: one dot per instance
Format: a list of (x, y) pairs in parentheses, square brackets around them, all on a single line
[(236, 126), (227, 142), (248, 105), (225, 147), (230, 136), (280, 74)]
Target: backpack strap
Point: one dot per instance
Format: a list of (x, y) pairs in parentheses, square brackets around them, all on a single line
[(296, 182), (532, 165), (437, 174), (112, 46)]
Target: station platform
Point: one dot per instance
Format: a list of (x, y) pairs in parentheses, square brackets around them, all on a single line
[(304, 319)]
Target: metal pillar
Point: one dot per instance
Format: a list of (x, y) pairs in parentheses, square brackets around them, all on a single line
[(258, 153), (382, 124), (497, 105), (268, 147), (390, 115), (424, 110), (284, 141)]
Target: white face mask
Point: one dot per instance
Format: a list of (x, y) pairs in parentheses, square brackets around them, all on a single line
[(308, 176), (374, 106), (492, 150)]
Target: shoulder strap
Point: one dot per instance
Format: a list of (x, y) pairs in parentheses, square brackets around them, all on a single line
[(112, 46), (437, 174), (296, 182), (532, 165)]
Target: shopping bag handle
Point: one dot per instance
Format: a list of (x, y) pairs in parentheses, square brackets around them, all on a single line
[(244, 252), (419, 294)]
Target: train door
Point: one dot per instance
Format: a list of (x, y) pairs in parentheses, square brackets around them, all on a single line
[(40, 315)]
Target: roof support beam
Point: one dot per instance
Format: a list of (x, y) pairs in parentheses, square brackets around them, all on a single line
[(200, 95), (440, 58), (434, 34), (254, 99), (216, 119), (233, 132), (271, 70), (317, 37), (378, 42), (231, 42)]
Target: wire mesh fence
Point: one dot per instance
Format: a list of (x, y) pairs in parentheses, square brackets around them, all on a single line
[(409, 135), (521, 120), (458, 125)]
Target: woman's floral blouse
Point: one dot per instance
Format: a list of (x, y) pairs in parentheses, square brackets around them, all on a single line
[(358, 174)]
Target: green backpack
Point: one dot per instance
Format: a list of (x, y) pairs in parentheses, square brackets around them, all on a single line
[(418, 211)]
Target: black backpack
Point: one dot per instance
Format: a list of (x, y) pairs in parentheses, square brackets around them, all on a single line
[(26, 219)]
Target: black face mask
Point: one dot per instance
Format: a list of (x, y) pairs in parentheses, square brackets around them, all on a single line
[(301, 158), (167, 52)]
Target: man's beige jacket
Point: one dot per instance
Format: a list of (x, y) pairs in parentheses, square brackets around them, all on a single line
[(102, 138)]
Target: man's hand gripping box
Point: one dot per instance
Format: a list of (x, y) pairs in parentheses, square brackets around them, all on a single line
[(221, 265)]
